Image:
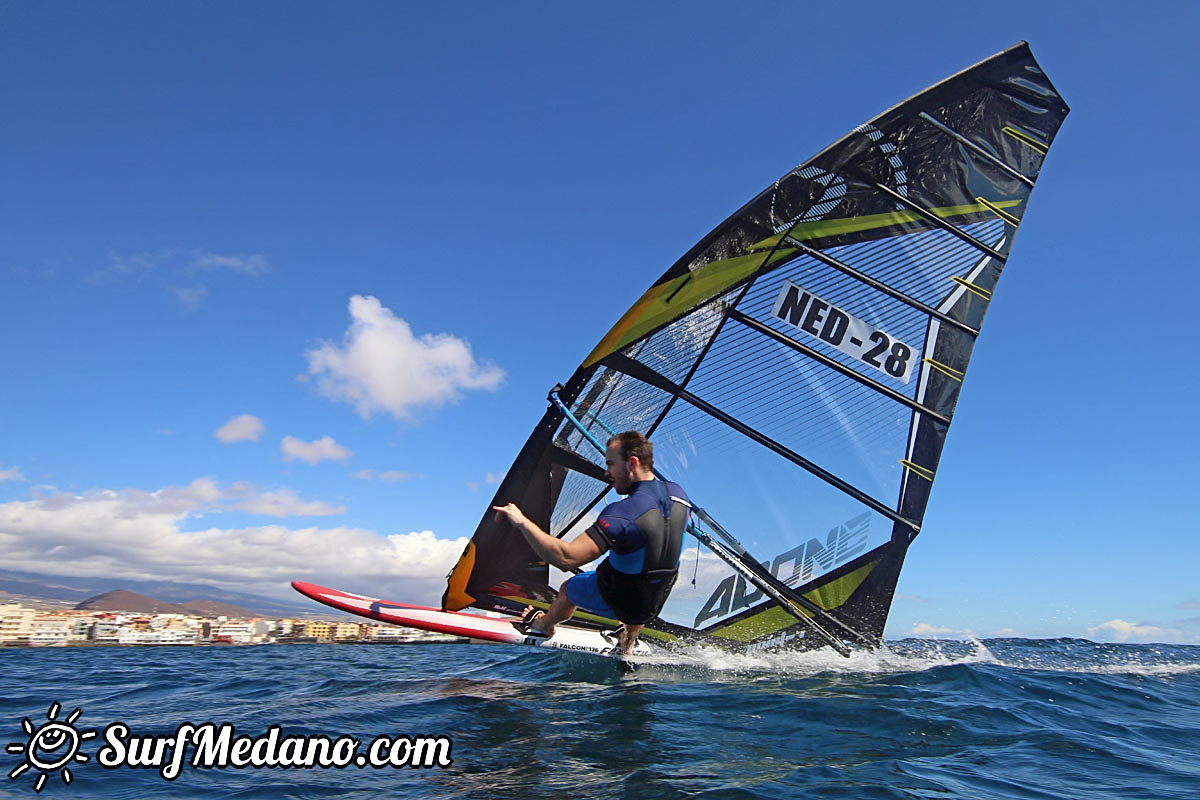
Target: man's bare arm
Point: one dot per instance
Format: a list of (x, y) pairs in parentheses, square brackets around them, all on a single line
[(564, 555)]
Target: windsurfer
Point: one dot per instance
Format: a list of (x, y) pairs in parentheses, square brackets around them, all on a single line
[(644, 533)]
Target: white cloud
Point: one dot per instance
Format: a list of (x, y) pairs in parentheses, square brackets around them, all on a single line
[(200, 496), (925, 629), (382, 366), (492, 477), (1186, 604), (190, 297), (387, 476), (140, 535), (119, 267), (244, 428), (278, 503), (178, 261), (472, 486), (1121, 631), (11, 474), (322, 449), (245, 263)]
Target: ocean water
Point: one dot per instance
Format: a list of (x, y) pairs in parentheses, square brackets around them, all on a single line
[(1006, 718)]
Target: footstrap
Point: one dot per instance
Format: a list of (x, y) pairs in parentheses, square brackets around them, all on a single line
[(525, 624)]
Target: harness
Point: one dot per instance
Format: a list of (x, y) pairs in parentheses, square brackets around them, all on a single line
[(637, 598)]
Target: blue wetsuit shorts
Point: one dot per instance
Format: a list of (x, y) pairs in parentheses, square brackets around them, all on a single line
[(582, 590)]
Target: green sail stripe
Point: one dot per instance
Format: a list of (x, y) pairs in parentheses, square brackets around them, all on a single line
[(821, 228), (774, 619), (667, 302)]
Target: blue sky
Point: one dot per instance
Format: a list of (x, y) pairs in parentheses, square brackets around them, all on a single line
[(194, 194)]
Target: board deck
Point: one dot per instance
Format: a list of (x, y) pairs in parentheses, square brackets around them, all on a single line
[(474, 626)]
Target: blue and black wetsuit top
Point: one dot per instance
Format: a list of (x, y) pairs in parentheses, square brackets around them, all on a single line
[(644, 534)]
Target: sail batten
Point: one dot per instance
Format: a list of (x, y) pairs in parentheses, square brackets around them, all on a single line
[(939, 221), (890, 291), (976, 148), (798, 370), (787, 341)]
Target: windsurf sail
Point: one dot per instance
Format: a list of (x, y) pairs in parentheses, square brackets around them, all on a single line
[(797, 371)]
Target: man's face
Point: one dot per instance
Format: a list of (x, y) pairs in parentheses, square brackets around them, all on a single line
[(618, 469)]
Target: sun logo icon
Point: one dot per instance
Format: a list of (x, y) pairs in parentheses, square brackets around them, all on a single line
[(52, 746)]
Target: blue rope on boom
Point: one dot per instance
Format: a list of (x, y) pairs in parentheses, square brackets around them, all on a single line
[(700, 512)]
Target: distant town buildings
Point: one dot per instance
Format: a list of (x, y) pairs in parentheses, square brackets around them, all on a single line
[(24, 626), (16, 622)]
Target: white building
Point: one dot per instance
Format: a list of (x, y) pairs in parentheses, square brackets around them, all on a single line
[(16, 622), (51, 629), (235, 631), (166, 636), (391, 633), (347, 631), (105, 630)]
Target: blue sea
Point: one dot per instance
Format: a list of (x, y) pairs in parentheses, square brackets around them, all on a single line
[(992, 720)]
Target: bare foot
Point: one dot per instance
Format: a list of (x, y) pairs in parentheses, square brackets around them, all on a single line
[(533, 625), (626, 640)]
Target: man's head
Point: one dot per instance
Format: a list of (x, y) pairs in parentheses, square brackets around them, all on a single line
[(630, 458)]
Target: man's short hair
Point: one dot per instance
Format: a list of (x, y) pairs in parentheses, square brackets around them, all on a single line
[(632, 443)]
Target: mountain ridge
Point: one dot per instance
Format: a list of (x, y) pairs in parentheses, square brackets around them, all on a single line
[(76, 589), (125, 600)]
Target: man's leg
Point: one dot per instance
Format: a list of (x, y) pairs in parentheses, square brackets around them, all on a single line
[(628, 637), (560, 610)]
